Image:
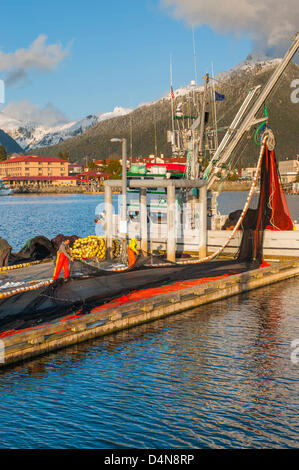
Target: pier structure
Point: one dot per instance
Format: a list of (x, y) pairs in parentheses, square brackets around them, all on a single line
[(170, 185), (107, 319)]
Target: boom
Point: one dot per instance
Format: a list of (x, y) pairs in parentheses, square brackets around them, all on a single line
[(224, 152)]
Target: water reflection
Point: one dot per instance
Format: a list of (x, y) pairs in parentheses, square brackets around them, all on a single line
[(216, 376)]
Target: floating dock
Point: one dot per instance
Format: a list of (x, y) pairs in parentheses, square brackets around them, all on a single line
[(107, 319)]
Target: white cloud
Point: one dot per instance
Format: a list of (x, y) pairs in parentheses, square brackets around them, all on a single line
[(267, 23), (39, 57), (25, 111)]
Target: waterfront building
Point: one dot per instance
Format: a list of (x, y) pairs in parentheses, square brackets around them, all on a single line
[(41, 181), (288, 170), (33, 165), (75, 168), (248, 173)]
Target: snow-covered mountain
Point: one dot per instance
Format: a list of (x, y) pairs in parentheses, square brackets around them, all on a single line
[(8, 143), (255, 61), (252, 61), (139, 126), (30, 135)]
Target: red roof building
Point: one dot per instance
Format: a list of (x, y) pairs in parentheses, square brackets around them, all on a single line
[(33, 165), (93, 175), (33, 158)]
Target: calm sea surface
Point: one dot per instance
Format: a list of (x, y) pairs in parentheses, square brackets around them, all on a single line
[(222, 376), (24, 217)]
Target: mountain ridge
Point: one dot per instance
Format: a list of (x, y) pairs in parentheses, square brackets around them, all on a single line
[(30, 135), (10, 145), (149, 122)]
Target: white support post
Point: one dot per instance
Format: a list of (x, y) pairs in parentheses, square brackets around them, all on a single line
[(109, 222), (171, 232), (214, 195), (202, 249), (143, 219)]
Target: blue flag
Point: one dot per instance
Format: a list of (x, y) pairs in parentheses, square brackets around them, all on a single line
[(219, 97)]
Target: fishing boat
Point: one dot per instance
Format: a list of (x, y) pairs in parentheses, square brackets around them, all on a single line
[(5, 189), (31, 300), (41, 299), (191, 138)]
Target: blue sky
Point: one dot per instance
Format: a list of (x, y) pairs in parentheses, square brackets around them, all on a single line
[(116, 53)]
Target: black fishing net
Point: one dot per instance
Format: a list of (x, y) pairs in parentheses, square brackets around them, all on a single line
[(56, 242), (271, 213), (268, 211), (35, 249), (61, 298), (118, 260), (39, 248)]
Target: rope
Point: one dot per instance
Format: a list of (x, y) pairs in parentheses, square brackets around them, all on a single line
[(26, 289), (23, 265), (263, 124)]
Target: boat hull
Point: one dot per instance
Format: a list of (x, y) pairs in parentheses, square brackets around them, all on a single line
[(277, 244), (6, 192)]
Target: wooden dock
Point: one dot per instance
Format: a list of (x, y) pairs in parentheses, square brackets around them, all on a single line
[(43, 339)]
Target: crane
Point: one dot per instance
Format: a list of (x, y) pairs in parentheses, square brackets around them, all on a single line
[(239, 127)]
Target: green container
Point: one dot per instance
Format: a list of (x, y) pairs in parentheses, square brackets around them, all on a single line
[(142, 170), (134, 169)]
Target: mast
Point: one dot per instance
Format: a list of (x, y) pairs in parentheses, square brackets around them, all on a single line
[(155, 127), (214, 106), (202, 120), (194, 56), (131, 139), (171, 97), (195, 101)]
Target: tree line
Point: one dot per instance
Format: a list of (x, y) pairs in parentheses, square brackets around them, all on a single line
[(3, 153)]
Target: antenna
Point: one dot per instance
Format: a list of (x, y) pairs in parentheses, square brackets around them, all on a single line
[(155, 127), (214, 104), (131, 139), (194, 56), (202, 120), (195, 102), (171, 94)]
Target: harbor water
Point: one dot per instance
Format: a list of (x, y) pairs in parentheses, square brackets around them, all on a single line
[(224, 375), (24, 217)]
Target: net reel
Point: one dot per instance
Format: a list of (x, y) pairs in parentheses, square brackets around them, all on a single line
[(271, 142)]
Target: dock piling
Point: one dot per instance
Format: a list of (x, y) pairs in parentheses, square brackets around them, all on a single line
[(108, 209), (143, 219), (171, 232)]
